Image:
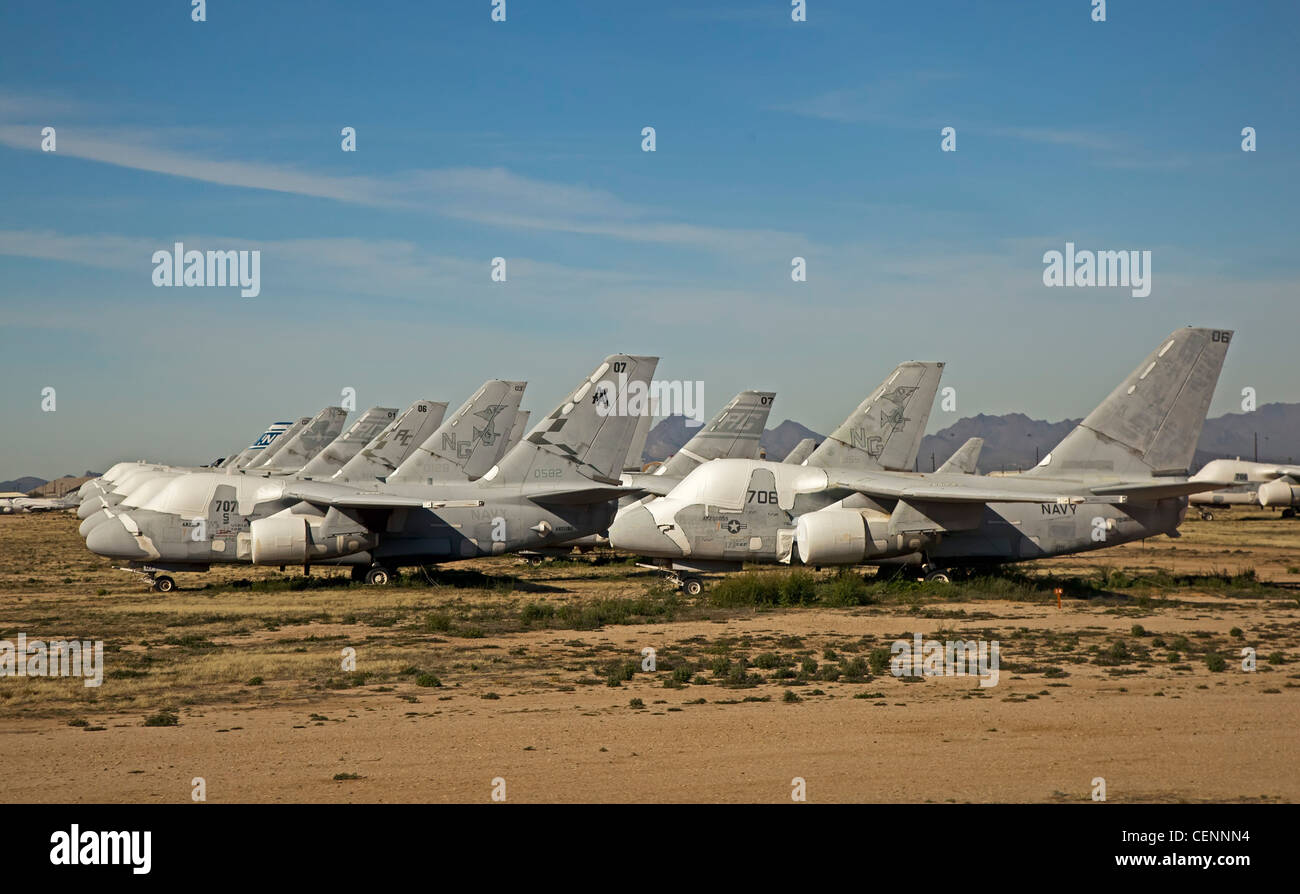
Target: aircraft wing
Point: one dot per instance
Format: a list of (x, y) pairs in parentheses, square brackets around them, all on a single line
[(580, 496), (659, 485), (1154, 490), (324, 494), (957, 488)]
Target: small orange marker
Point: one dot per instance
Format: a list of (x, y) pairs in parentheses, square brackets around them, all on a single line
[(1058, 597)]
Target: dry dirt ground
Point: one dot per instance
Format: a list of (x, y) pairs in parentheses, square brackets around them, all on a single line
[(494, 676)]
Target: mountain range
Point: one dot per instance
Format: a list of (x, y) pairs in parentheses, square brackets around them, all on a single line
[(1015, 441)]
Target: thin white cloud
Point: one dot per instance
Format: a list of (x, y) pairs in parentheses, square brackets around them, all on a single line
[(491, 196)]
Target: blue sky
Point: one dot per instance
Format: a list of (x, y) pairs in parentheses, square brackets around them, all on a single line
[(522, 140)]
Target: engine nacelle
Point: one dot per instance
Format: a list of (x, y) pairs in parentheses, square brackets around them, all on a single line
[(847, 537), (832, 537), (289, 539), (1279, 493)]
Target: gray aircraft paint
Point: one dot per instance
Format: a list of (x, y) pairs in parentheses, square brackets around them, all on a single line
[(1242, 482), (636, 452), (965, 459), (516, 434), (350, 443), (270, 450), (310, 440), (466, 445), (1117, 475), (557, 483), (395, 443), (801, 452), (886, 429)]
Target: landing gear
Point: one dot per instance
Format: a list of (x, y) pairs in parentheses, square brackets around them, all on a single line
[(938, 576), (379, 576), (1288, 513), (691, 583), (158, 583), (1206, 515)]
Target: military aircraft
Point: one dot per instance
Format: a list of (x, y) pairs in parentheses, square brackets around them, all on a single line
[(180, 498), (140, 491), (559, 481), (734, 432), (1121, 475), (104, 483), (295, 446), (1247, 483), (22, 503)]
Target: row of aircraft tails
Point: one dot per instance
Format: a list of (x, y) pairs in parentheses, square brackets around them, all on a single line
[(399, 489)]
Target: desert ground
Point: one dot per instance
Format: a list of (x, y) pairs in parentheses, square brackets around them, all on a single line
[(494, 678)]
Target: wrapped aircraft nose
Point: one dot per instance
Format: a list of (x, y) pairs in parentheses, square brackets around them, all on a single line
[(635, 530), (92, 522), (113, 540), (90, 506)]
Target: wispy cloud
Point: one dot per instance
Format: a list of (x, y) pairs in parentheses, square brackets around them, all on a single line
[(491, 196)]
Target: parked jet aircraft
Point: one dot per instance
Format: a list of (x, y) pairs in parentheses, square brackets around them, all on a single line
[(1249, 484), (103, 484), (561, 478), (383, 453), (733, 432), (1121, 475), (328, 461), (21, 503), (296, 445)]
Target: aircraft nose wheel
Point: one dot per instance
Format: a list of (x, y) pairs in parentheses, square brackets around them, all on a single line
[(379, 577), (163, 584)]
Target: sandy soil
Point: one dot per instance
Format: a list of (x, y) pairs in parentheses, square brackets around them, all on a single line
[(533, 707)]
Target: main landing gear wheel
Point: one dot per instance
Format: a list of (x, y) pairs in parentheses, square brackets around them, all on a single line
[(163, 584), (938, 577), (379, 577), (693, 586), (1206, 515)]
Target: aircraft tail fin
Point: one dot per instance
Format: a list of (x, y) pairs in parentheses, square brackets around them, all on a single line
[(801, 451), (1150, 423), (348, 444), (636, 452), (886, 429), (966, 458), (465, 446), (310, 440), (516, 435), (388, 449), (586, 438), (268, 453), (733, 433), (264, 440)]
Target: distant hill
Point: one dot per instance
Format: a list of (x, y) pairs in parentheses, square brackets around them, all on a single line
[(671, 433), (60, 486), (21, 485), (1014, 441), (781, 440), (1010, 440)]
